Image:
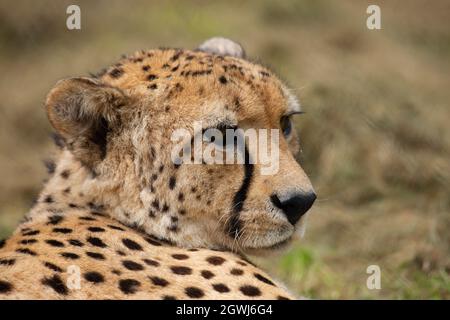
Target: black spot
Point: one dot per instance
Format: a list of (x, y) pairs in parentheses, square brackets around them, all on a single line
[(223, 80), (53, 267), (95, 255), (237, 272), (173, 228), (70, 255), (155, 204), (88, 219), (73, 205), (181, 197), (115, 227), (194, 292), (207, 274), (146, 68), (2, 243), (180, 256), (176, 55), (181, 270), (166, 297), (116, 73), (65, 174), (151, 262), (133, 266), (95, 207), (48, 199), (157, 281), (121, 253), (96, 242), (96, 229), (153, 241), (165, 208), (98, 214), (30, 233), (56, 284), (55, 243), (215, 260), (116, 272), (94, 277), (130, 244), (54, 220), (263, 279), (282, 298), (250, 291), (28, 241), (26, 251), (7, 262), (5, 287), (151, 77), (172, 182), (129, 286), (220, 287), (153, 86), (62, 230), (76, 243)]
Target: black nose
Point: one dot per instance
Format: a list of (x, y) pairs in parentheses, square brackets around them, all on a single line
[(295, 206)]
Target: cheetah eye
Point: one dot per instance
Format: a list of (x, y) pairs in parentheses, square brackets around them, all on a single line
[(286, 125)]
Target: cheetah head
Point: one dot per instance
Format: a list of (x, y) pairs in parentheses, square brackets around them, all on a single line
[(120, 128)]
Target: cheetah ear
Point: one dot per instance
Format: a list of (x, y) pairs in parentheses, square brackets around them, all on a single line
[(83, 111), (223, 46)]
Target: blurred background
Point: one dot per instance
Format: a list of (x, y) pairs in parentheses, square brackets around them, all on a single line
[(375, 138)]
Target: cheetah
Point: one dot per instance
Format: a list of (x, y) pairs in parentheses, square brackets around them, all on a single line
[(118, 219)]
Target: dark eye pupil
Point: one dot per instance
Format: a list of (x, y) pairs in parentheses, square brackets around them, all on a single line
[(286, 125)]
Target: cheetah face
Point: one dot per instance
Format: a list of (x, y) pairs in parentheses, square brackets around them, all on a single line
[(122, 127)]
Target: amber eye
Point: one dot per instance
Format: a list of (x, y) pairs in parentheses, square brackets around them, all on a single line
[(286, 125)]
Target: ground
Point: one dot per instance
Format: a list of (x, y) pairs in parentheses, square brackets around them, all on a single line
[(375, 136)]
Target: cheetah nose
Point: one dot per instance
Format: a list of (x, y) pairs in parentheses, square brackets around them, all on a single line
[(294, 206)]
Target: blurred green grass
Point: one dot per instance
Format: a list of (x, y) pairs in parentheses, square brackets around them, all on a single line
[(375, 137)]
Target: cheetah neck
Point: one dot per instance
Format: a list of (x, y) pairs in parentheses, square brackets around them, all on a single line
[(72, 186)]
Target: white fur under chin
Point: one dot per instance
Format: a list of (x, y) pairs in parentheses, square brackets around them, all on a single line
[(300, 230)]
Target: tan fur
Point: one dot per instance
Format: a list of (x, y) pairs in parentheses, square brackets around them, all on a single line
[(129, 180)]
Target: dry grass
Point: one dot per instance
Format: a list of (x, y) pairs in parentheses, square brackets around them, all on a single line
[(375, 137)]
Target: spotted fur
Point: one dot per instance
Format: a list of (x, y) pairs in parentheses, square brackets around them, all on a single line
[(133, 223)]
